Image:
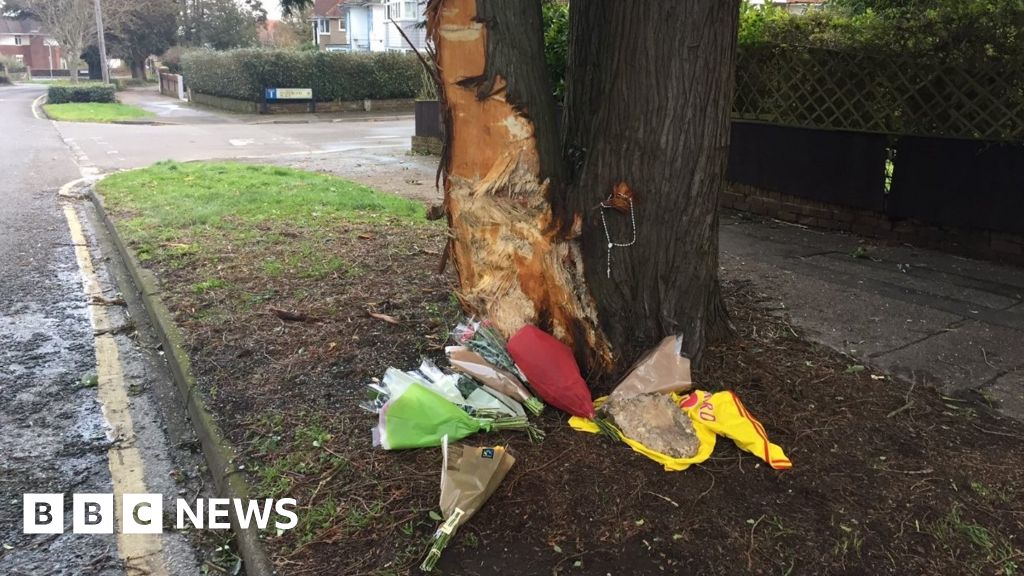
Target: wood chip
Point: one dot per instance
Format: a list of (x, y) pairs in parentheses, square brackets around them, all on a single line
[(384, 317), (290, 315)]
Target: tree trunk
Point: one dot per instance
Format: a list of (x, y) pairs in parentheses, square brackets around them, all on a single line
[(648, 104), (648, 101), (74, 54), (502, 165), (138, 67)]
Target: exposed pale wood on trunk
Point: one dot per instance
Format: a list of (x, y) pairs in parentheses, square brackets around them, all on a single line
[(501, 163)]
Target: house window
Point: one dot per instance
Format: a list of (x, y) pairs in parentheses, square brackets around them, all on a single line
[(18, 40), (402, 9), (341, 24), (324, 26)]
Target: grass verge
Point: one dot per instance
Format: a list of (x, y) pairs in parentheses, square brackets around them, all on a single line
[(888, 478), (95, 112)]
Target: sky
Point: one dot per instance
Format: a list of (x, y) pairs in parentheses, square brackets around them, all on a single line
[(273, 9)]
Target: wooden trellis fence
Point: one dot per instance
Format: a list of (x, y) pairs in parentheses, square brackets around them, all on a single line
[(827, 89)]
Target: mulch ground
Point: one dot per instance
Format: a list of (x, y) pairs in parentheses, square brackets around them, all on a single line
[(887, 479)]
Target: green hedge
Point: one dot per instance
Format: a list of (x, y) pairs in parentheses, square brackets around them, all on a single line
[(62, 93), (333, 76)]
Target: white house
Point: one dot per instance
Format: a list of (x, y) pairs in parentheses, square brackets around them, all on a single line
[(368, 25)]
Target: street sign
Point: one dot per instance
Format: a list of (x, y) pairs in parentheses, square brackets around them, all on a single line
[(289, 93)]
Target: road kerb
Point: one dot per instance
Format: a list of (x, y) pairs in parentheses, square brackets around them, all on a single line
[(229, 480)]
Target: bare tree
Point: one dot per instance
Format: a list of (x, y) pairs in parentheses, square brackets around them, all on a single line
[(72, 23)]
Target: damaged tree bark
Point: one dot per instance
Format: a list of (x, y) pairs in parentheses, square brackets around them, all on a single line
[(502, 165), (649, 96)]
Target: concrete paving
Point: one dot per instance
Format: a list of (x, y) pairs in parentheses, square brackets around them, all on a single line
[(932, 318), (111, 147), (171, 110)]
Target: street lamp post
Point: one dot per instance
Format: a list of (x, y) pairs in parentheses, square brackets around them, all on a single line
[(101, 42)]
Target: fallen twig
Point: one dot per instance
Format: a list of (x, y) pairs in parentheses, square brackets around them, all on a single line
[(997, 433), (750, 550), (385, 318), (290, 315), (925, 471), (665, 498)]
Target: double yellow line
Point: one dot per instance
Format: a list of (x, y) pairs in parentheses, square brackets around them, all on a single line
[(142, 553)]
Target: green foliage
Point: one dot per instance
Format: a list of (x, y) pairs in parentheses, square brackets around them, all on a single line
[(333, 76), (146, 28), (556, 44), (61, 93), (947, 31), (232, 197), (13, 65), (94, 112), (172, 59), (219, 24)]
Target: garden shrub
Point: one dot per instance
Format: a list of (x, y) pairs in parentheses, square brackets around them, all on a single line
[(333, 76), (12, 64), (64, 92)]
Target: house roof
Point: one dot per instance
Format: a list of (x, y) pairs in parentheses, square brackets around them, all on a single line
[(327, 8), (20, 26)]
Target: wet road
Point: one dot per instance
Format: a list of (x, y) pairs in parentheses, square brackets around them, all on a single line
[(54, 434), (52, 437)]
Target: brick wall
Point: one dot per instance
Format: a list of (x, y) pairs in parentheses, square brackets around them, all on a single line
[(34, 52), (974, 243)]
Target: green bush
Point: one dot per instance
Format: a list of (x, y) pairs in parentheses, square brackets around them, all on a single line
[(12, 64), (937, 31), (333, 76), (556, 44), (63, 92)]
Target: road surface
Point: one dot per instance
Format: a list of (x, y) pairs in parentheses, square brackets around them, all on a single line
[(73, 420)]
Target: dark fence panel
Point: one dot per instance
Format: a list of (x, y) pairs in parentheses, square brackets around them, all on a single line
[(963, 183), (428, 118), (846, 168), (55, 73)]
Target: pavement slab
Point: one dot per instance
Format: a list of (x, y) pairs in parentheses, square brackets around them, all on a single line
[(950, 322), (1007, 392), (850, 319), (967, 356)]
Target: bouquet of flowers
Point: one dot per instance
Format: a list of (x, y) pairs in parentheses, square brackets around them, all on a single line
[(470, 363), (469, 476), (417, 411), (552, 370), (483, 339)]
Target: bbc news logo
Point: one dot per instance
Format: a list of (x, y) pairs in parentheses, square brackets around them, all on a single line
[(144, 513)]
